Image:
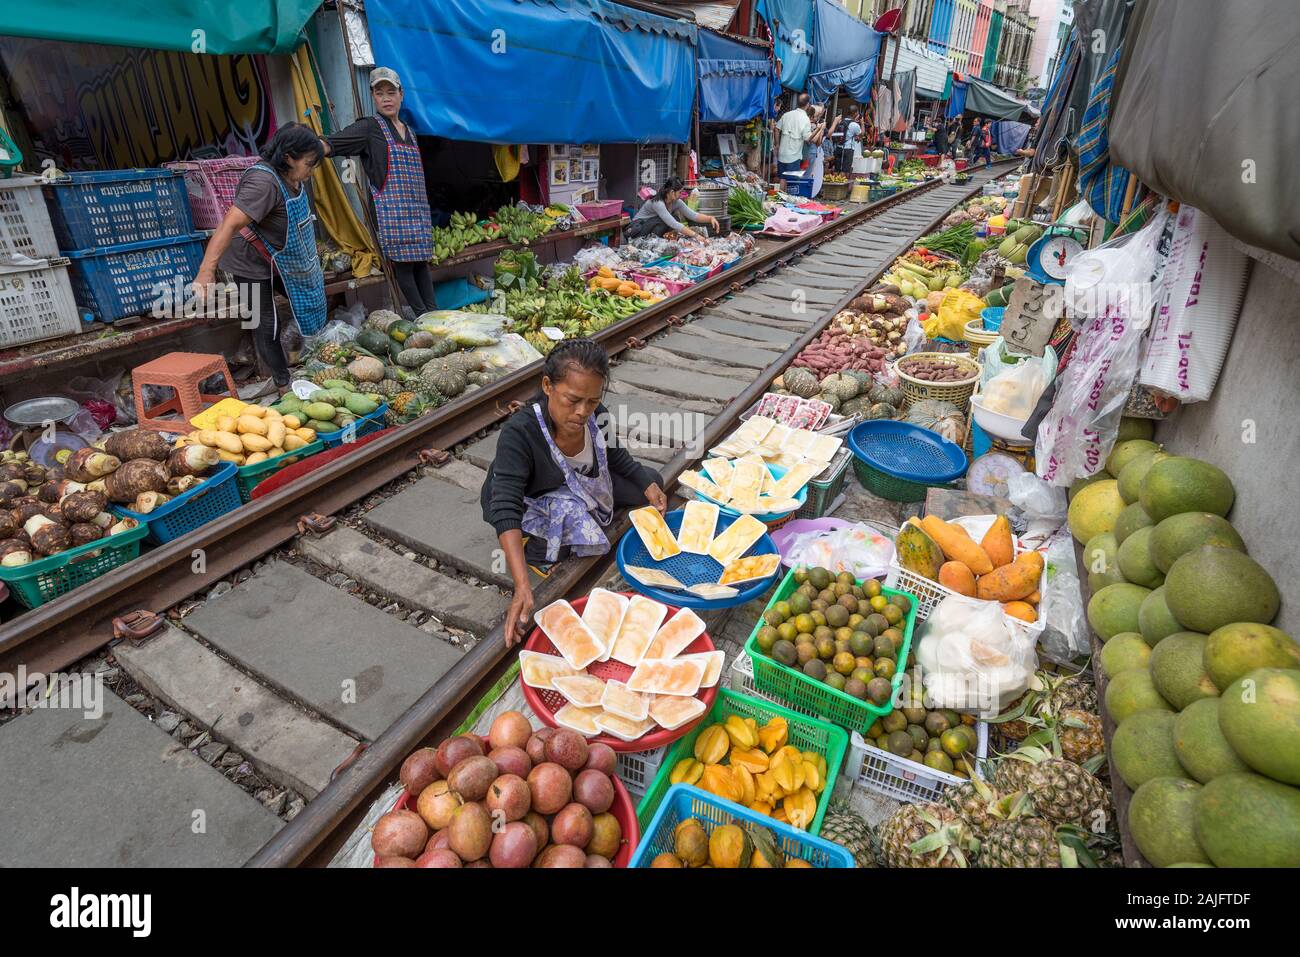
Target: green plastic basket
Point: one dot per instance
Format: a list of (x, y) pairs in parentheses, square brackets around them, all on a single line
[(886, 486), (797, 689), (805, 733), (247, 477), (824, 490), (45, 579)]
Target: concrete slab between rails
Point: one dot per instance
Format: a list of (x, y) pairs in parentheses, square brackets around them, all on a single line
[(344, 658), (116, 791), (675, 382), (286, 745)]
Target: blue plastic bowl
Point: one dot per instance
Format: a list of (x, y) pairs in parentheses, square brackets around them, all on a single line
[(907, 451), (691, 569)]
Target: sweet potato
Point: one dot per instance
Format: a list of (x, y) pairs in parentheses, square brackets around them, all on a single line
[(1034, 598), (997, 543), (137, 444), (957, 577), (956, 545), (1012, 582)]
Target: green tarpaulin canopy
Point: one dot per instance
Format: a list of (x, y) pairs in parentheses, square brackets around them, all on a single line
[(987, 100), (197, 26)]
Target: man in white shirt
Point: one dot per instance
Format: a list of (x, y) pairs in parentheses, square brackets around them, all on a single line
[(794, 129)]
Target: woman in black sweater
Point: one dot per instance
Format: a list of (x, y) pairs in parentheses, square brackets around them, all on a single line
[(554, 484)]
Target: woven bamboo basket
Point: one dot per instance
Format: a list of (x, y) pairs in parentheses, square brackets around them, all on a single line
[(958, 392)]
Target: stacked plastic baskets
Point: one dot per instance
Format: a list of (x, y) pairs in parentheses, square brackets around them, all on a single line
[(130, 237), (35, 299)]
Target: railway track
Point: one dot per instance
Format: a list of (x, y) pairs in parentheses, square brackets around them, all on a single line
[(317, 689)]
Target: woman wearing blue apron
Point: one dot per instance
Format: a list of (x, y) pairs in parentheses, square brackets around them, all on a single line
[(268, 233), (391, 158), (554, 485)]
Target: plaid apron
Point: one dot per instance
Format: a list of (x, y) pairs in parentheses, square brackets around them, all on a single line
[(574, 513), (402, 206), (297, 263)]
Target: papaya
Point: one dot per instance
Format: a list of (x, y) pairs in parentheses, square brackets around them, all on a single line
[(956, 545), (1012, 582), (917, 551), (1022, 610), (957, 577), (997, 542)]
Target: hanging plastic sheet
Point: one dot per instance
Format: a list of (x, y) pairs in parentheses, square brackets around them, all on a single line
[(987, 100), (736, 80), (1009, 135), (957, 101), (539, 71), (791, 24), (844, 54)]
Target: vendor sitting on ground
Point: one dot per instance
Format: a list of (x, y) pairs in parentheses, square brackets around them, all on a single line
[(554, 484), (657, 213)]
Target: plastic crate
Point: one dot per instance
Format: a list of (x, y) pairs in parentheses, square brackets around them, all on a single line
[(805, 733), (873, 769), (798, 186), (638, 769), (673, 287), (214, 497), (100, 210), (45, 579), (36, 303), (211, 185), (248, 476), (126, 280), (826, 487), (683, 802), (364, 425), (25, 228), (802, 693), (601, 209)]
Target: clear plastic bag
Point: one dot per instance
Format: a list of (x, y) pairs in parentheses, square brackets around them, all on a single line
[(1065, 633), (1015, 390), (336, 332), (914, 337), (466, 329), (1036, 499), (856, 549), (971, 658), (512, 352)]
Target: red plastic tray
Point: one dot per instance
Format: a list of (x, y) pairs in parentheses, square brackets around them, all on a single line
[(546, 703), (623, 809)]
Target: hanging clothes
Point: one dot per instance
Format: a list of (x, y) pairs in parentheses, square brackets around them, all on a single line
[(1101, 182)]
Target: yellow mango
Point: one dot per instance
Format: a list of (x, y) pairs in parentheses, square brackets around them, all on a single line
[(255, 457), (237, 458), (293, 442), (291, 422), (255, 443), (256, 411), (275, 432), (250, 424), (306, 434), (229, 442), (226, 423)]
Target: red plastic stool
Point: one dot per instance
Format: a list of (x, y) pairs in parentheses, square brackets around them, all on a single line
[(183, 372)]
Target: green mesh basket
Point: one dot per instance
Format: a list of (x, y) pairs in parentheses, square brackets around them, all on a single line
[(247, 477), (45, 579)]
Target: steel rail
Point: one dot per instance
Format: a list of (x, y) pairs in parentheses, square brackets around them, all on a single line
[(62, 631), (320, 829)]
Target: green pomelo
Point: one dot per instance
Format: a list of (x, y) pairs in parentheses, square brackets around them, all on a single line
[(1131, 428), (1080, 484), (1211, 587), (1176, 669), (1155, 620), (1246, 820), (1131, 520), (1127, 451), (1259, 714), (1200, 745), (1176, 484), (1234, 649), (1179, 534), (1099, 561), (1115, 609), (1134, 559), (1143, 748), (1162, 820), (1131, 476), (1129, 692), (1127, 651), (1094, 510)]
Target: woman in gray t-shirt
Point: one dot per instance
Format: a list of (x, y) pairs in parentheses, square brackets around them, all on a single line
[(657, 214)]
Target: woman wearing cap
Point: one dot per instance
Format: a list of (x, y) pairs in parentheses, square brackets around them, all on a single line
[(391, 158), (269, 232)]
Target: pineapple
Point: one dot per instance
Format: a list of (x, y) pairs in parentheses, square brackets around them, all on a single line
[(851, 832), (924, 836), (388, 387), (1021, 842), (1079, 734), (1049, 694), (1062, 792), (401, 402), (331, 353), (976, 803)]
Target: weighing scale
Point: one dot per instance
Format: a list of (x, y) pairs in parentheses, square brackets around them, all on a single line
[(1050, 256)]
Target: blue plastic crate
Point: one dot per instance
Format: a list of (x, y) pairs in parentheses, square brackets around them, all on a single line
[(364, 425), (96, 210), (124, 280), (683, 802), (214, 497)]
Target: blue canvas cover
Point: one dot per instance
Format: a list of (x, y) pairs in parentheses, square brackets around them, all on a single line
[(737, 80), (844, 54), (957, 102), (539, 71), (791, 24)]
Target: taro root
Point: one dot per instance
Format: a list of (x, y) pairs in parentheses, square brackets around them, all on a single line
[(82, 506), (8, 526), (180, 484), (83, 533), (131, 478), (104, 520), (9, 491), (123, 525), (56, 490), (13, 472), (192, 460), (48, 538), (24, 510), (14, 552), (137, 444), (147, 502), (88, 464), (34, 473)]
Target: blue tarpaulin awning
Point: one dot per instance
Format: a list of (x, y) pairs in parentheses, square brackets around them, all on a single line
[(791, 24), (737, 80), (844, 54), (957, 100), (539, 71)]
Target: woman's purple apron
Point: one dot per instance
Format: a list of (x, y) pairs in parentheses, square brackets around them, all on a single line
[(575, 513)]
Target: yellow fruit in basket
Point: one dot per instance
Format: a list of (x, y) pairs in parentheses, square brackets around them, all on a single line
[(253, 442), (255, 457), (817, 759), (246, 424), (778, 814), (686, 771), (720, 780), (813, 778), (275, 432), (797, 862), (800, 808), (765, 788), (291, 421), (691, 843), (753, 759), (730, 847), (745, 778), (741, 735), (226, 423), (293, 442), (712, 744), (228, 441), (762, 807), (774, 734), (256, 411), (236, 457), (306, 434)]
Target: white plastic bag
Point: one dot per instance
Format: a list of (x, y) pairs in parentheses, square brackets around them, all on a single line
[(914, 337), (971, 658), (1039, 501), (1015, 390), (1065, 633), (512, 352), (467, 329), (856, 549)]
